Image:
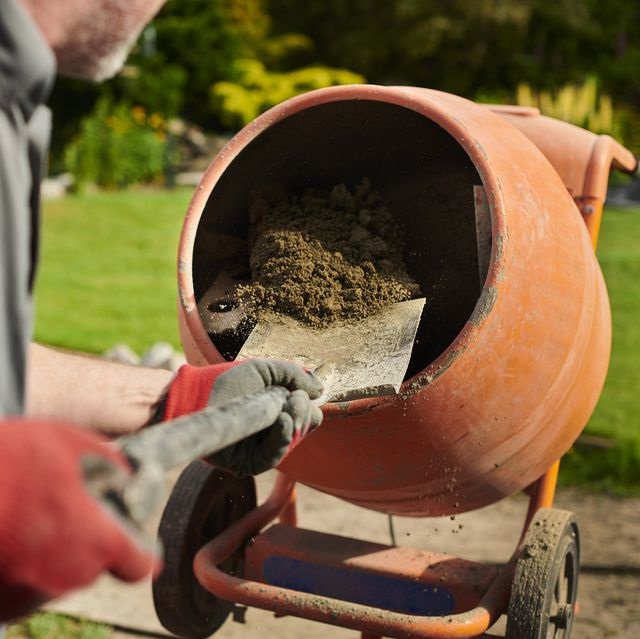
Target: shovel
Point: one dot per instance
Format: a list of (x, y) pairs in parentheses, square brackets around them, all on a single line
[(354, 360)]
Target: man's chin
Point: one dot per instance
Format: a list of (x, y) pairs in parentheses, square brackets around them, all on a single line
[(94, 70)]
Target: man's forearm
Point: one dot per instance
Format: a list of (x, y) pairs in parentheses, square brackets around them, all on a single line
[(106, 396)]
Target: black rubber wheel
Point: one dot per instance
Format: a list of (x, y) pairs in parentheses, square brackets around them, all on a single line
[(545, 585), (203, 503)]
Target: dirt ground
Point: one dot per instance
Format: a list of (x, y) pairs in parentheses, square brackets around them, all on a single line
[(609, 583)]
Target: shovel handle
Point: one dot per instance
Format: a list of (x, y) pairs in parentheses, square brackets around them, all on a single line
[(153, 451), (204, 433)]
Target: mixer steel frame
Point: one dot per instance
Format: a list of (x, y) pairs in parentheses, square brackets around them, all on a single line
[(372, 622)]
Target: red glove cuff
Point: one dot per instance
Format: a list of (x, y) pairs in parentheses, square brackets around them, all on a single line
[(190, 389)]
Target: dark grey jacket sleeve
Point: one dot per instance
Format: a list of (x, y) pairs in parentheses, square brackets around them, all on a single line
[(27, 70), (17, 255)]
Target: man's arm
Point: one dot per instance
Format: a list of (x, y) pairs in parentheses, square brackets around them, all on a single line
[(106, 396)]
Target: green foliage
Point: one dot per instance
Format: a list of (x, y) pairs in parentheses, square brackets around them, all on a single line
[(48, 625), (465, 46), (468, 47), (579, 104), (249, 19), (629, 119), (262, 77), (455, 46), (258, 89), (204, 38), (156, 85), (585, 105), (277, 51), (118, 145), (190, 45)]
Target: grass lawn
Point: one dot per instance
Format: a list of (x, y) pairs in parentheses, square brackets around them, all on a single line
[(47, 625), (108, 270), (617, 416), (108, 275)]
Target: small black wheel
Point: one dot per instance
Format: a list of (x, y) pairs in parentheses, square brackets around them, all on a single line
[(203, 503), (545, 585)]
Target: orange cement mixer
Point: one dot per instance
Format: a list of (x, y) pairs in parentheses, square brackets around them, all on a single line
[(508, 363), (501, 209)]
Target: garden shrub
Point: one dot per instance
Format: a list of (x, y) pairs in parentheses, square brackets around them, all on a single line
[(580, 104), (155, 84), (118, 145), (258, 89)]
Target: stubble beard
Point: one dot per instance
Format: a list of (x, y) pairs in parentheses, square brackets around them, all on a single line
[(99, 44)]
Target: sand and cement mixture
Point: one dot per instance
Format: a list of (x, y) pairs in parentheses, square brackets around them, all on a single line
[(323, 255)]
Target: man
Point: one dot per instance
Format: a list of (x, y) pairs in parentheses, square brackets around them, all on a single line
[(53, 535)]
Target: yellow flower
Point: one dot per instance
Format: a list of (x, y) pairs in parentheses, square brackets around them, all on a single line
[(138, 114), (156, 121)]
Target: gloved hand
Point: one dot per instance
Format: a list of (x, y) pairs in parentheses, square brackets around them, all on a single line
[(196, 387), (54, 537)]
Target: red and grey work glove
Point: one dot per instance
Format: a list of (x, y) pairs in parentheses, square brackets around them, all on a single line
[(196, 387), (54, 536)]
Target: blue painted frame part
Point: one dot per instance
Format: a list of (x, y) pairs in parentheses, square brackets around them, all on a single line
[(380, 591)]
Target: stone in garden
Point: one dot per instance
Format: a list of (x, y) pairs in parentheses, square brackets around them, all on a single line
[(158, 355), (123, 354)]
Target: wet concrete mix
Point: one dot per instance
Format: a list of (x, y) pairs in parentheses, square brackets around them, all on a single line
[(325, 255)]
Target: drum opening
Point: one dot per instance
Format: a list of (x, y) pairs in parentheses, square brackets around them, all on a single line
[(425, 177)]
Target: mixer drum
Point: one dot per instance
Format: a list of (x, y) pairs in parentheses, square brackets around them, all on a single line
[(513, 347)]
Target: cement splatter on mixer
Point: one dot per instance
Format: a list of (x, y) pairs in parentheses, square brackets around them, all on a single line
[(325, 255)]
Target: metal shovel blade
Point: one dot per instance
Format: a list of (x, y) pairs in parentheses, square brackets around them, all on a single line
[(358, 359)]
